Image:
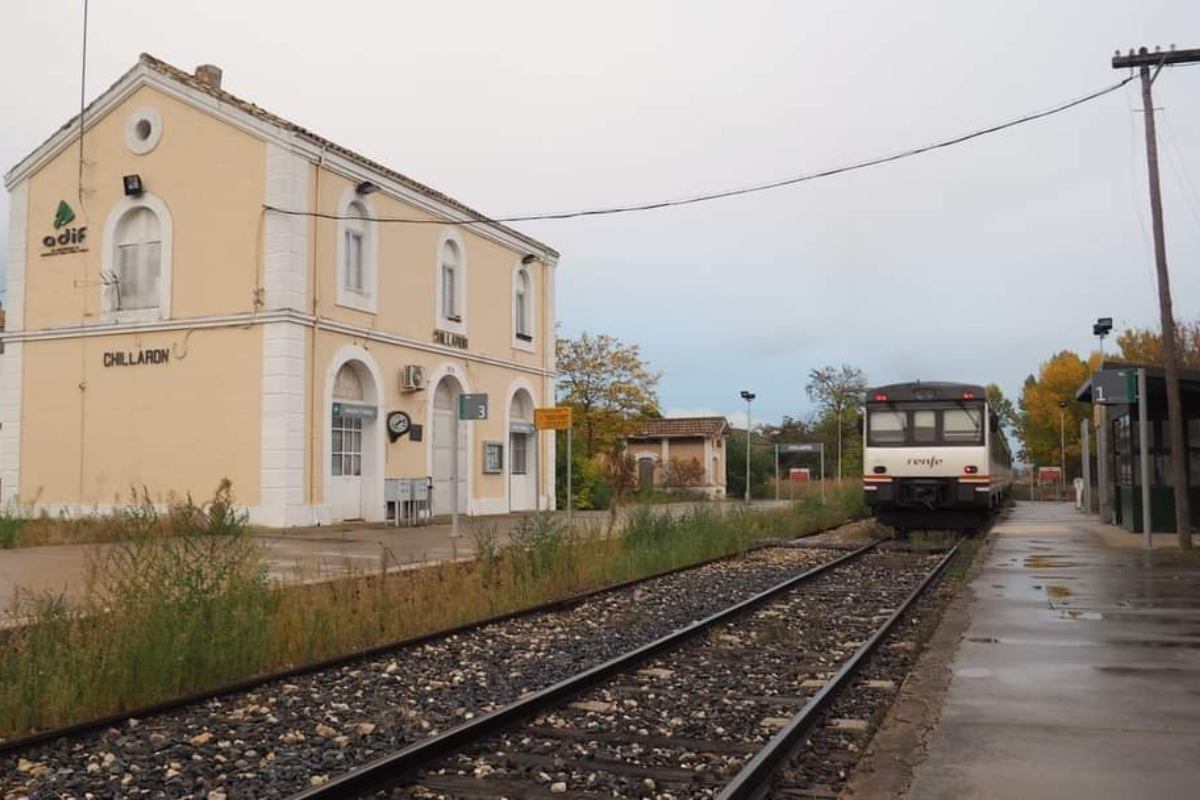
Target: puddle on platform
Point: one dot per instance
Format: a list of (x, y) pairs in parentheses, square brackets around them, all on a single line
[(1120, 670), (974, 672), (1049, 562)]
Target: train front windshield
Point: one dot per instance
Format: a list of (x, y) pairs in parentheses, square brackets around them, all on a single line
[(939, 424)]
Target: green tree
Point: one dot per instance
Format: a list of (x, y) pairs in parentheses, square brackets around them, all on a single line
[(1003, 407), (838, 393), (762, 464), (608, 386)]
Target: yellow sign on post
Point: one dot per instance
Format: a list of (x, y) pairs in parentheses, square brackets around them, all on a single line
[(554, 418)]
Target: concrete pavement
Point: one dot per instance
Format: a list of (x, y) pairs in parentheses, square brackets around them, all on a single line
[(1079, 673)]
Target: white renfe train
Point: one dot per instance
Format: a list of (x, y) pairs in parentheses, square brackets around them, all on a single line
[(934, 456)]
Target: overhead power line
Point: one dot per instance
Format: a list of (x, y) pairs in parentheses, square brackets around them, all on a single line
[(743, 190)]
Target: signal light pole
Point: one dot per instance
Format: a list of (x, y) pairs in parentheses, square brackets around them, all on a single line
[(1144, 60)]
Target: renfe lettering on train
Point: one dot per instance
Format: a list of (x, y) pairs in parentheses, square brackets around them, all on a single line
[(135, 358), (925, 461)]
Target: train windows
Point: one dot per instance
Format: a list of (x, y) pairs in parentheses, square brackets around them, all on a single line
[(962, 425), (946, 424), (887, 427), (924, 426)]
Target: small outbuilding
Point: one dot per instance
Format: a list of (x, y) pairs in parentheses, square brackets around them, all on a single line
[(681, 454), (1116, 479)]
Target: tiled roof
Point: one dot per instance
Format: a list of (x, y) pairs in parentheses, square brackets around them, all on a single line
[(190, 80), (682, 426)]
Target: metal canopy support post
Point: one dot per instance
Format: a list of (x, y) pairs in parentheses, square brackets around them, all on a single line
[(1085, 454), (1144, 456), (1102, 464)]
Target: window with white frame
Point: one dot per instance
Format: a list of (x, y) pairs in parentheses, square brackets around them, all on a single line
[(451, 271), (354, 236), (521, 306), (357, 253), (137, 261)]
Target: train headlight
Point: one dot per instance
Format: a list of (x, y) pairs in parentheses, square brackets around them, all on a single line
[(970, 469)]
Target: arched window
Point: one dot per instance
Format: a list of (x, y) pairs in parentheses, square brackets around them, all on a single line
[(137, 260), (354, 239), (521, 306), (450, 259)]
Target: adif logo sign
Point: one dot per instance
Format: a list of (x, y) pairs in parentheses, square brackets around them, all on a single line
[(925, 461), (66, 240)]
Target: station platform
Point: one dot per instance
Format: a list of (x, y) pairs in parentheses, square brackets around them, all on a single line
[(1078, 675)]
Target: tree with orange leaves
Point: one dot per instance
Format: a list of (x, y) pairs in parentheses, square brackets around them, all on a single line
[(1038, 421)]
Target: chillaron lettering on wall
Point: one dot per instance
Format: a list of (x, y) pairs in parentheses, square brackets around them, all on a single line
[(65, 239), (136, 358)]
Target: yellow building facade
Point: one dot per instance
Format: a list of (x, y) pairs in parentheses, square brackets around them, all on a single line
[(204, 290)]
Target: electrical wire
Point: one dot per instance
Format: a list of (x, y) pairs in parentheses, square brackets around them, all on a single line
[(744, 190), (1179, 168)]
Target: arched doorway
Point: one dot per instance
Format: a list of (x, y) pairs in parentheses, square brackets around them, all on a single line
[(447, 428), (354, 467), (522, 454)]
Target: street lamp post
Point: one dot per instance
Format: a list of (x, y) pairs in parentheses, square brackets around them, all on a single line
[(1102, 328), (1062, 449), (748, 397)]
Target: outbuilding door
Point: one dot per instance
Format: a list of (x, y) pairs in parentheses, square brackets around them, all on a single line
[(645, 473)]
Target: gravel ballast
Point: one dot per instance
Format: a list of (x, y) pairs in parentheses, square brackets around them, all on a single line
[(283, 737), (681, 725)]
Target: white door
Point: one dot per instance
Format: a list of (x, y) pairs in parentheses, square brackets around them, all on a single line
[(346, 467), (445, 424), (521, 471)]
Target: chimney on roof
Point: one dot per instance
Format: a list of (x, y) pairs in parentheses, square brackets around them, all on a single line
[(209, 75)]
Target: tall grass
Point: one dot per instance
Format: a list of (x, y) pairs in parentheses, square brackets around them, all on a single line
[(163, 616), (21, 526)]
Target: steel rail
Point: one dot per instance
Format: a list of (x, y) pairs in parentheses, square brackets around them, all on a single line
[(15, 745), (386, 772), (753, 782)]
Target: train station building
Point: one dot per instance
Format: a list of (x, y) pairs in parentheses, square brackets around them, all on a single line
[(206, 290)]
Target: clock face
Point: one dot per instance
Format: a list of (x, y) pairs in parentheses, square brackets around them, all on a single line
[(398, 422)]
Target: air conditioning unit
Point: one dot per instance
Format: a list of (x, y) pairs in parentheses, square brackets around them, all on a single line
[(412, 378)]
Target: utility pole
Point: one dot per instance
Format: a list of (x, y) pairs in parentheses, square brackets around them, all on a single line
[(1062, 448), (1144, 60)]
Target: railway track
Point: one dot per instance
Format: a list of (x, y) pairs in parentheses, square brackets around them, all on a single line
[(275, 735), (719, 708)]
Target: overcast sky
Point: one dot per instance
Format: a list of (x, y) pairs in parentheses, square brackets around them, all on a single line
[(973, 263)]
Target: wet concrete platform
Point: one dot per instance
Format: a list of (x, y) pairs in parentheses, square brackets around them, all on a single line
[(1079, 674)]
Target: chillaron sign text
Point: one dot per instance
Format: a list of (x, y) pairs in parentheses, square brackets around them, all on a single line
[(65, 239), (136, 358)]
